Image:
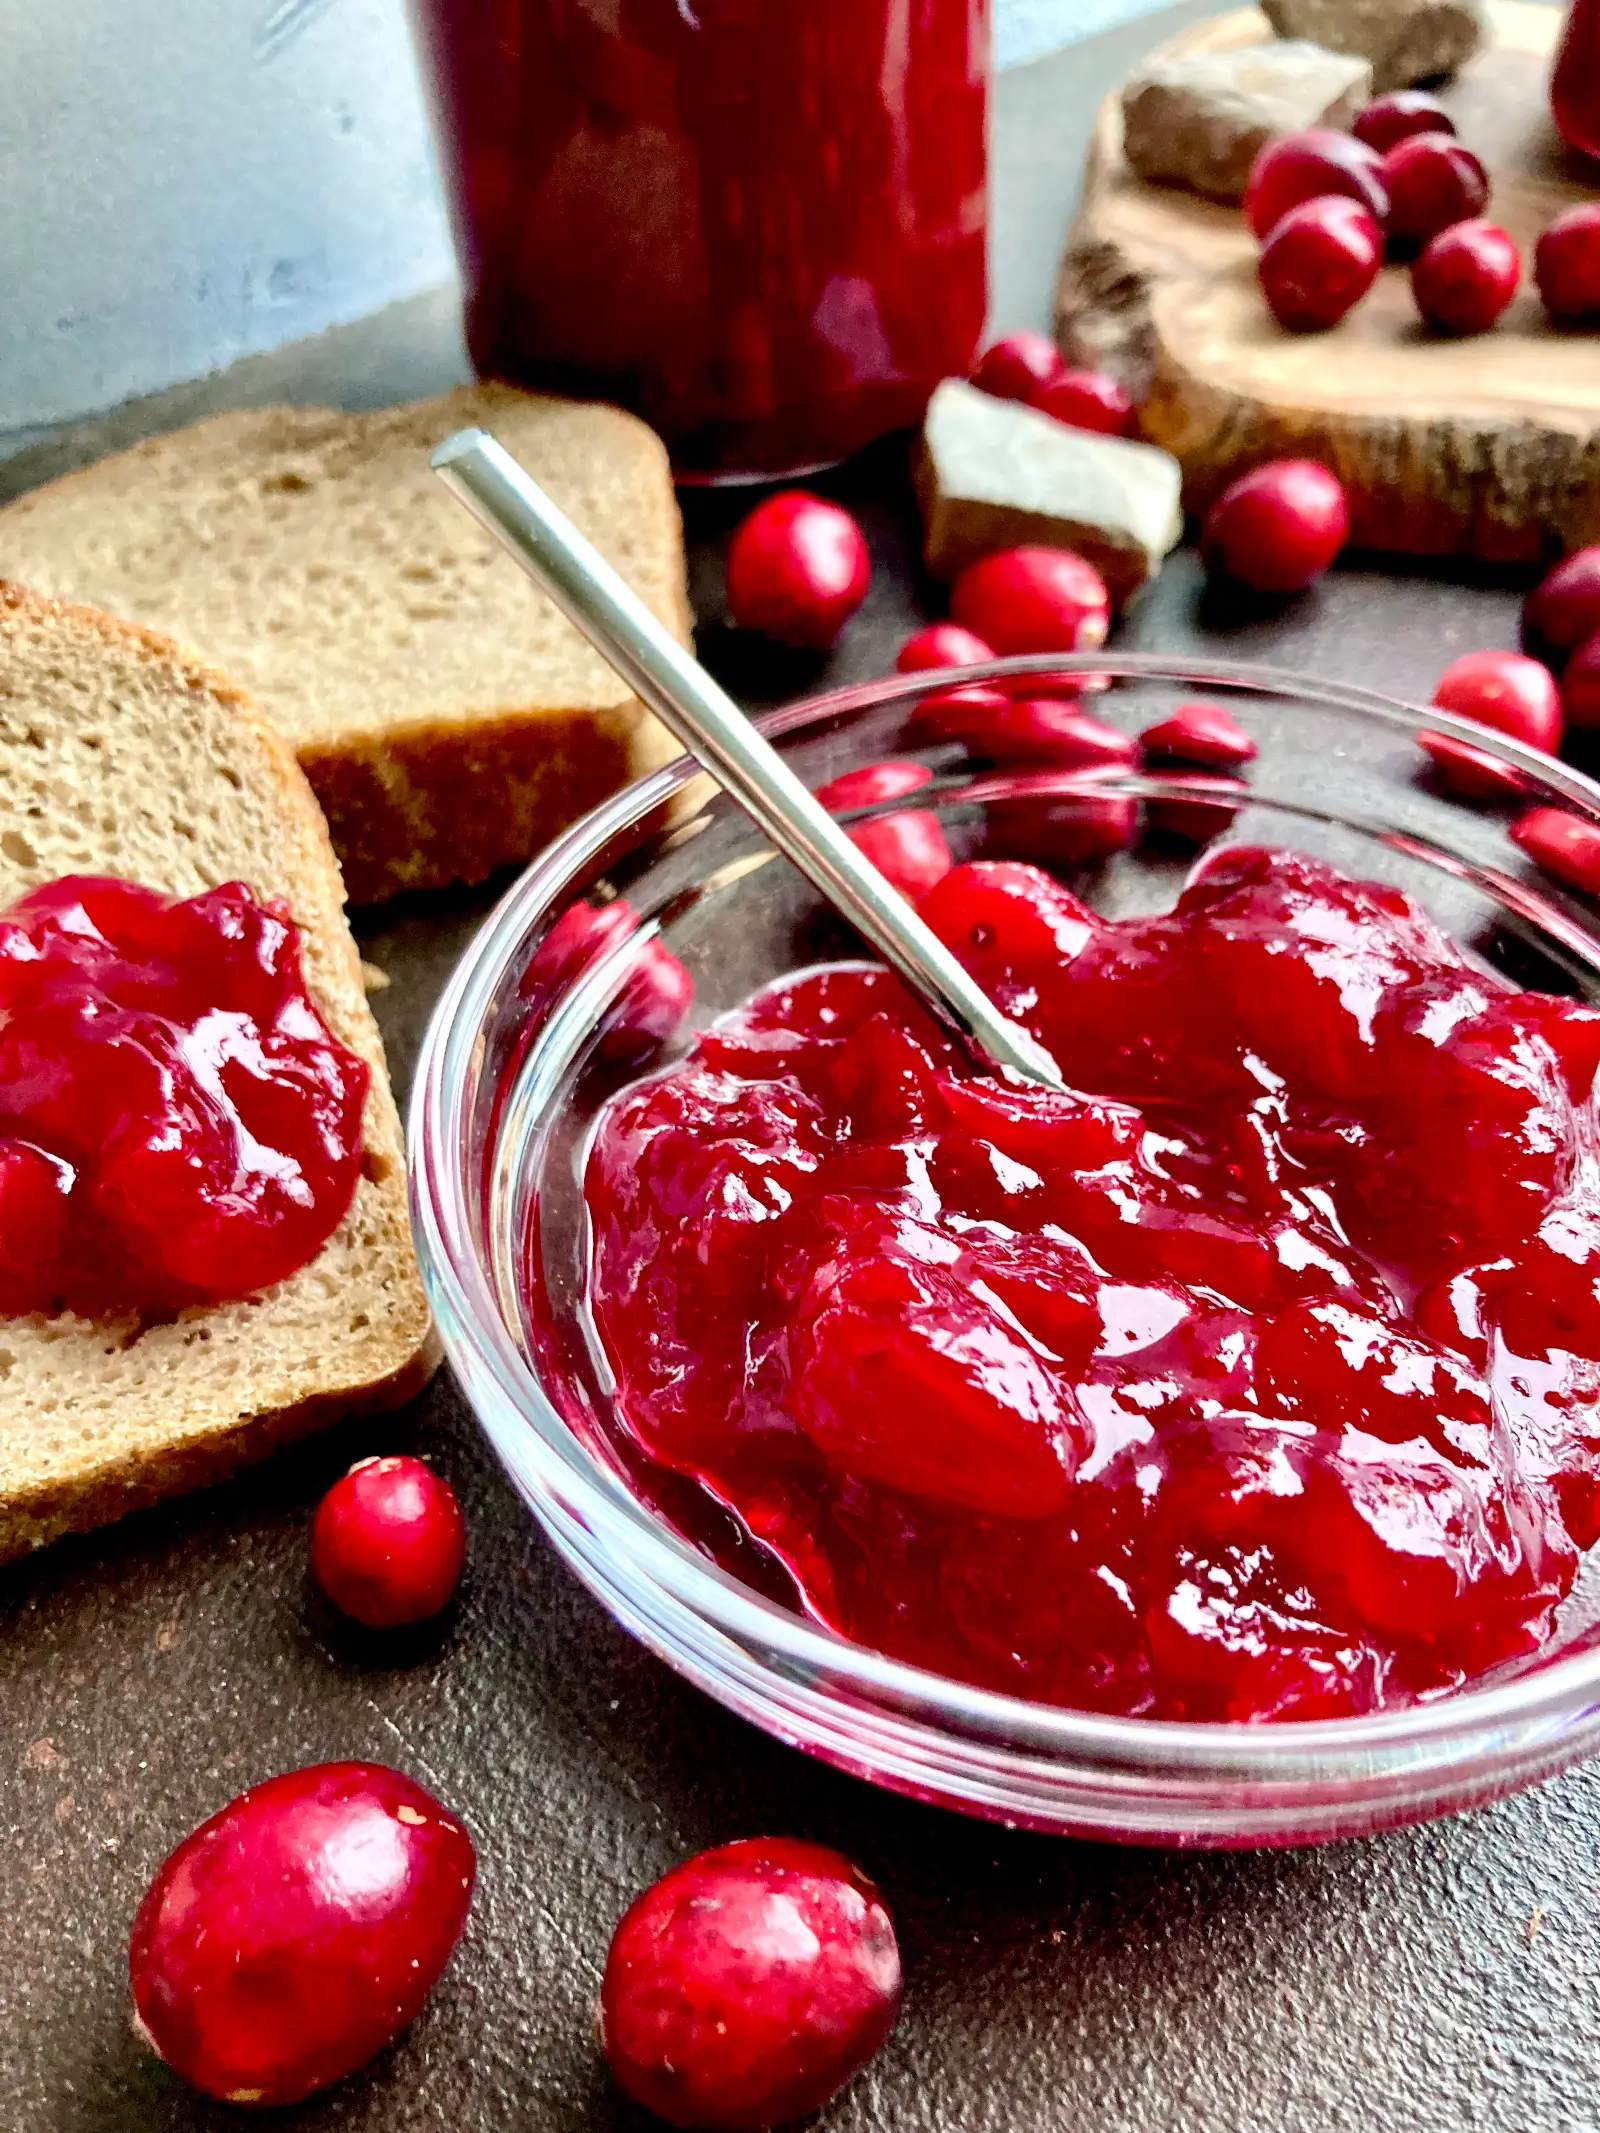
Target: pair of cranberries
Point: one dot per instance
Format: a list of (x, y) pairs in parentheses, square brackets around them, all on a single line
[(1027, 366), (297, 1932)]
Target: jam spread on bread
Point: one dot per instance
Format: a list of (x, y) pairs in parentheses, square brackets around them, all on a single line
[(178, 1125), (1255, 1379)]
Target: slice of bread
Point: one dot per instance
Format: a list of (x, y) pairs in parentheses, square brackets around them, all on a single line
[(449, 719), (122, 754)]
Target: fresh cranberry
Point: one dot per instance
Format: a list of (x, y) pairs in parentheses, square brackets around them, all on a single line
[(1298, 167), (1198, 732), (194, 1128), (908, 848), (1580, 685), (1465, 277), (297, 1932), (388, 1543), (1564, 609), (1033, 600), (1019, 367), (1060, 829), (748, 1985), (1278, 527), (1211, 813), (1566, 264), (1564, 845), (1393, 118), (1507, 692), (654, 999), (942, 644), (797, 570), (1023, 730), (1089, 400), (1433, 181), (1318, 262)]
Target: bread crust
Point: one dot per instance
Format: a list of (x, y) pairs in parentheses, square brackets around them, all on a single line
[(132, 1413)]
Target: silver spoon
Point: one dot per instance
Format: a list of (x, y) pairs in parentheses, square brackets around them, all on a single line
[(502, 496)]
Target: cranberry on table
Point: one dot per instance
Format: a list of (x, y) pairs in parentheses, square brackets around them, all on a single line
[(1033, 600), (942, 644), (748, 1985), (1563, 610), (1307, 166), (1278, 527), (1044, 730), (1566, 846), (1502, 690), (908, 848), (1019, 366), (1198, 732), (297, 1932), (1060, 830), (1433, 181), (388, 1543), (797, 570), (1580, 686), (1318, 261), (1464, 278), (1566, 265), (1397, 116), (1089, 400)]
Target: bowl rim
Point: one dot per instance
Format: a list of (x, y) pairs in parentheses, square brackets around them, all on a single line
[(476, 1339)]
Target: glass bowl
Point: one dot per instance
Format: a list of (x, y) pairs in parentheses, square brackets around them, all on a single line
[(525, 1046)]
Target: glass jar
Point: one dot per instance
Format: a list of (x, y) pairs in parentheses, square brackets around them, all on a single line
[(759, 223), (1575, 85)]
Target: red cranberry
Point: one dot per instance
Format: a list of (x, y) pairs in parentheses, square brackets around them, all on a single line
[(1566, 263), (1024, 730), (1465, 277), (1433, 181), (1580, 685), (1067, 830), (1502, 690), (1033, 600), (1019, 366), (1318, 262), (1304, 166), (1198, 732), (872, 784), (1209, 814), (1278, 527), (295, 1933), (1564, 610), (1564, 845), (797, 570), (942, 644), (1089, 400), (388, 1543), (749, 1984), (909, 848), (1390, 119)]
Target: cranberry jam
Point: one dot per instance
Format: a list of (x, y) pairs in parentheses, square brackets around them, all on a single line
[(177, 1124), (1256, 1379)]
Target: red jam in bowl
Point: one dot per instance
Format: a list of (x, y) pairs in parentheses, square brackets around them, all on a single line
[(1258, 1378), (177, 1124)]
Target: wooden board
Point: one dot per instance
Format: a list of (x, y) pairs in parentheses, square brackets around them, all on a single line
[(1488, 447)]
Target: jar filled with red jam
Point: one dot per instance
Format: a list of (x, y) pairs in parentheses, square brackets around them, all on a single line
[(1575, 86), (758, 223)]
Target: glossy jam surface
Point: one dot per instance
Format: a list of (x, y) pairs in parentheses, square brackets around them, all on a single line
[(759, 224), (1257, 1380), (177, 1124)]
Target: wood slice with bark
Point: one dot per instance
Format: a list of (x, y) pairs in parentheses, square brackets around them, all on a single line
[(1487, 447)]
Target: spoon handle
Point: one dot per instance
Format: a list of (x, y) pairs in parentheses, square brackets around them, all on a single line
[(502, 496)]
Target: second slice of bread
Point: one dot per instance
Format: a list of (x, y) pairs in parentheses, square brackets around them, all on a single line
[(122, 754), (449, 720)]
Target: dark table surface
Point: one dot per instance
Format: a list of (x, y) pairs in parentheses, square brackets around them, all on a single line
[(1442, 1978)]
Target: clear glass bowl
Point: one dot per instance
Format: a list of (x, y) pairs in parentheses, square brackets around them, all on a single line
[(518, 1060)]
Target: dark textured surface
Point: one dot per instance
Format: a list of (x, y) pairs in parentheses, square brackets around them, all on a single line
[(1435, 1980)]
